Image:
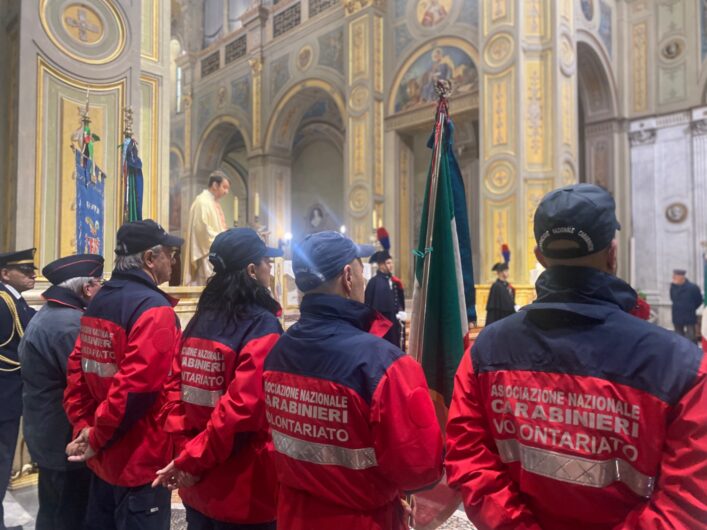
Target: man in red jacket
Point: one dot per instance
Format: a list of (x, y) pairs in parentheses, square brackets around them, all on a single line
[(573, 413), (116, 374), (350, 414)]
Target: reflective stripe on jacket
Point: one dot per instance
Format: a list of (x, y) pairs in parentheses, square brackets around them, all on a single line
[(116, 376), (575, 414), (352, 422), (216, 413)]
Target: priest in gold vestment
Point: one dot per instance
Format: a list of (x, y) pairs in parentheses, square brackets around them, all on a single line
[(206, 221)]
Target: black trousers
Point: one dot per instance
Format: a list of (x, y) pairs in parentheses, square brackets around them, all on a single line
[(686, 330), (9, 430), (198, 521), (118, 508), (63, 497)]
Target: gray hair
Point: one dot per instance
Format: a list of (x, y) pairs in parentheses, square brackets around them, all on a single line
[(133, 261), (76, 285)]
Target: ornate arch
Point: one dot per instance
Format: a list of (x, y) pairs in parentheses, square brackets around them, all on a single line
[(424, 48), (278, 115), (178, 153), (210, 134), (597, 85)]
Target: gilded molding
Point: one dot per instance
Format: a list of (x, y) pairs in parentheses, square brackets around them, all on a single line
[(499, 123), (538, 114), (354, 6), (256, 68), (151, 83), (358, 142), (378, 187), (639, 52), (358, 50), (150, 31), (378, 54), (499, 227), (535, 190)]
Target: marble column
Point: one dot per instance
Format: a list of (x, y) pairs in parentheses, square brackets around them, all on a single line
[(528, 121)]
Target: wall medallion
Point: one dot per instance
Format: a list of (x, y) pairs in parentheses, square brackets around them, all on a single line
[(499, 50), (92, 33), (676, 212), (304, 57)]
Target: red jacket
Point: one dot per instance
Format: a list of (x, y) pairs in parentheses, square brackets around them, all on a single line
[(116, 375), (352, 422), (574, 414), (215, 400)]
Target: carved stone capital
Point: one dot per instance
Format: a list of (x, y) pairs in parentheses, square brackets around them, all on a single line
[(699, 127), (642, 137), (354, 6)]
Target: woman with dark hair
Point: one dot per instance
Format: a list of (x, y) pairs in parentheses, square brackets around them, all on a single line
[(215, 408)]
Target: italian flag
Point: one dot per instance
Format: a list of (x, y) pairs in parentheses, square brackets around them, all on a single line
[(443, 296)]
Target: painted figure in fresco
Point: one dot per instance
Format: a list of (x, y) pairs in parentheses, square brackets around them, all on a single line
[(441, 68), (432, 12)]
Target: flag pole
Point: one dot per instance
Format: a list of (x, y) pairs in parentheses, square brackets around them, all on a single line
[(443, 89)]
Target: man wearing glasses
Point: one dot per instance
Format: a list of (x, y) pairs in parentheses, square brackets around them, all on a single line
[(44, 351), (115, 377), (17, 274)]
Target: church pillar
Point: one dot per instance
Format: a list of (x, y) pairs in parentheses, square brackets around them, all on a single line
[(269, 195), (364, 147), (528, 119), (699, 183)]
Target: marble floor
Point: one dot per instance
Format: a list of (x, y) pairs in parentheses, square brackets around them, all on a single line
[(21, 508)]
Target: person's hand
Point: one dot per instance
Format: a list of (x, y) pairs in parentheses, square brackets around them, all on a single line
[(79, 450), (172, 478)]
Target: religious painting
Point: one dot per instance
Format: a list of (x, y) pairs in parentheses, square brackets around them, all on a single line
[(331, 50), (279, 74), (588, 9), (432, 12), (417, 86), (240, 93)]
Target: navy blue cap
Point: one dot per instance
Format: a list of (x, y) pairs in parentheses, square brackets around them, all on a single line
[(583, 213), (380, 257), (137, 236), (19, 258), (322, 256), (78, 266), (236, 248)]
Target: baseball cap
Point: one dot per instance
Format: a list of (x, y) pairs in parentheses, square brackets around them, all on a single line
[(78, 266), (236, 248), (583, 213), (137, 236), (322, 256)]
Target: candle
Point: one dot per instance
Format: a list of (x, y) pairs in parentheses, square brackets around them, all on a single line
[(257, 204), (235, 209)]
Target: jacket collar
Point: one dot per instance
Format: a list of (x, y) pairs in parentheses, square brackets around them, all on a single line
[(10, 289), (141, 277), (64, 297), (332, 307), (583, 290)]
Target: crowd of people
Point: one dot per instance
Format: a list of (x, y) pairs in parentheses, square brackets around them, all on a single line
[(570, 412)]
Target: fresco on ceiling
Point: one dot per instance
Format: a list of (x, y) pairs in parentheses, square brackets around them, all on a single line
[(430, 13), (417, 85)]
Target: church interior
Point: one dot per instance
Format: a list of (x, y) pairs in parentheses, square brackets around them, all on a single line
[(319, 113)]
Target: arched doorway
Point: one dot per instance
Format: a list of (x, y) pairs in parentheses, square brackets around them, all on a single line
[(596, 110), (224, 147), (306, 136)]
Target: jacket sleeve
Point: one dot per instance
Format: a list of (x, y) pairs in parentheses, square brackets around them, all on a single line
[(679, 499), (141, 376), (241, 409), (79, 404), (368, 295), (407, 437), (491, 498)]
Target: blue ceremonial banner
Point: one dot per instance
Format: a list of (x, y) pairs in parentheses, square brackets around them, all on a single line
[(90, 193)]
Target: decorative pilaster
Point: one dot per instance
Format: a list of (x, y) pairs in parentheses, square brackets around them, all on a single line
[(364, 169), (528, 119)]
